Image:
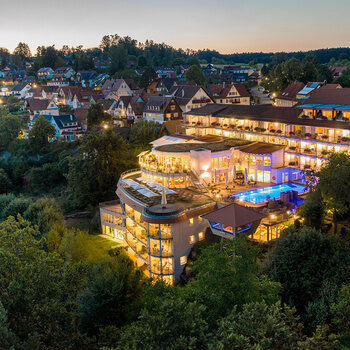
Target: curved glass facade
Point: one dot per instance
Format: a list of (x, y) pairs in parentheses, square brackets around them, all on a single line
[(152, 243)]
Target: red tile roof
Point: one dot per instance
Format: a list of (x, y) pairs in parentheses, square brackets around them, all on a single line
[(291, 91), (35, 104), (242, 91), (330, 96)]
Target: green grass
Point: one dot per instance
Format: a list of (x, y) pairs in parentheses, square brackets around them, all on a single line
[(98, 247)]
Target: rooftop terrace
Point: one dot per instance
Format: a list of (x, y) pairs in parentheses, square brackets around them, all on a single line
[(218, 146)]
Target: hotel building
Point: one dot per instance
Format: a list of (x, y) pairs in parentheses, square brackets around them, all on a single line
[(307, 132), (165, 206)]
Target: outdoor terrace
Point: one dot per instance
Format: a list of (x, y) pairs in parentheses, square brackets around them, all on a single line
[(185, 198)]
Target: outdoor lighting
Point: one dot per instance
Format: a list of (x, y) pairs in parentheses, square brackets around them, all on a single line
[(288, 212), (105, 126), (1, 102), (205, 174), (273, 217), (205, 167)]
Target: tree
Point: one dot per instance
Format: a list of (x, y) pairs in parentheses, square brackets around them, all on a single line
[(334, 179), (10, 127), (226, 277), (259, 326), (143, 132), (119, 58), (5, 182), (18, 205), (40, 133), (195, 74), (112, 294), (313, 209), (341, 312), (147, 77), (22, 50), (295, 263), (8, 339), (96, 116), (47, 56), (142, 62), (193, 61), (172, 324), (101, 158), (344, 79), (38, 290), (45, 213)]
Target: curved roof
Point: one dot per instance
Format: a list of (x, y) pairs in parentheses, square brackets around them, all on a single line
[(211, 146)]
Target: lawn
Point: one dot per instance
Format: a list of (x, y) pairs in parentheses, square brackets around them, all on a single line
[(97, 247)]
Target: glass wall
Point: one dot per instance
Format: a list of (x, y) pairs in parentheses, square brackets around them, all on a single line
[(161, 252)]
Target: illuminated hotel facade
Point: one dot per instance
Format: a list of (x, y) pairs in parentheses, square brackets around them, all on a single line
[(165, 205)]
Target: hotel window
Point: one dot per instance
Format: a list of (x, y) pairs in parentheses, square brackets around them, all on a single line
[(191, 221), (267, 161), (183, 260), (200, 236), (192, 239)]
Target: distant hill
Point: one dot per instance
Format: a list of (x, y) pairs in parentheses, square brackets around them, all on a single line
[(323, 55)]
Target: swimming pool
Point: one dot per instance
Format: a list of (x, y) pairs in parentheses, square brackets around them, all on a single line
[(260, 195)]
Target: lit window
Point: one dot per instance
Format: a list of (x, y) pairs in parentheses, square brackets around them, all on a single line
[(192, 239), (191, 221), (200, 235), (183, 260)]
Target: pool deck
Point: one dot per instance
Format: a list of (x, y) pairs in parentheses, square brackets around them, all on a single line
[(224, 194)]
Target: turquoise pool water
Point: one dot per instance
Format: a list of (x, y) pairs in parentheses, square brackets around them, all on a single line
[(261, 195)]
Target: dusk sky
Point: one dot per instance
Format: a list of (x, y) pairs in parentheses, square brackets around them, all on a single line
[(224, 25)]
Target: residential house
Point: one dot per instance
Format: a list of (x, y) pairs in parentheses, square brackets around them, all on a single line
[(45, 73), (337, 71), (90, 78), (109, 106), (78, 97), (288, 97), (81, 115), (308, 89), (102, 64), (163, 72), (17, 74), (132, 85), (46, 92), (235, 93), (130, 107), (65, 72), (37, 106), (22, 90), (162, 86), (161, 108), (189, 97), (67, 126), (58, 81), (115, 88)]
